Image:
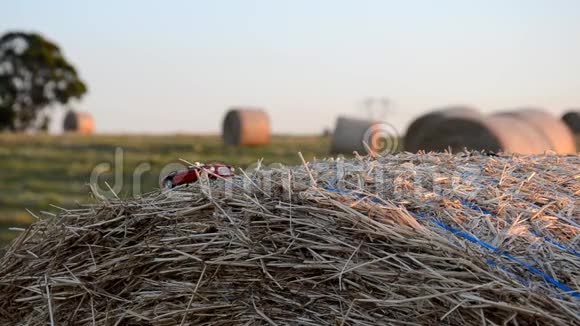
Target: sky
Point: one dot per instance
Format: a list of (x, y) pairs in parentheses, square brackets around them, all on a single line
[(177, 66)]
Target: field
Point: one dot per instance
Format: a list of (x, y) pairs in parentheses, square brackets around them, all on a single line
[(37, 171)]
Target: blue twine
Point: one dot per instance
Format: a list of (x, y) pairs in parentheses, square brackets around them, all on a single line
[(534, 232), (495, 180), (475, 240), (493, 263)]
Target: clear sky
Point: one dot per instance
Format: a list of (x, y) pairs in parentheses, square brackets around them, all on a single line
[(175, 66)]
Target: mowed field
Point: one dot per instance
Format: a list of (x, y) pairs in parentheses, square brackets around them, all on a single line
[(38, 171)]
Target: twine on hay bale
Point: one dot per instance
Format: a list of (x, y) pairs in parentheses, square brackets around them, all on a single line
[(422, 126), (559, 136), (572, 120), (419, 239), (246, 127), (79, 122)]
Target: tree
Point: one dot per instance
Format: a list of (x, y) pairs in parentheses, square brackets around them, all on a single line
[(34, 76)]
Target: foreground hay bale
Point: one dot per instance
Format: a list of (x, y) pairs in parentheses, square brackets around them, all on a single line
[(572, 120), (425, 239), (559, 136), (246, 127), (79, 122), (420, 128)]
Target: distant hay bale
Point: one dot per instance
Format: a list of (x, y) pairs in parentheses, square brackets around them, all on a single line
[(572, 120), (495, 133), (554, 130), (517, 136), (246, 127), (414, 137), (349, 134), (79, 122)]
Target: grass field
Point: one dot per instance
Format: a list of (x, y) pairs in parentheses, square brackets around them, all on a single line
[(37, 170)]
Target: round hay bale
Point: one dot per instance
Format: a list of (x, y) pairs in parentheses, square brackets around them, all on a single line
[(421, 126), (560, 138), (349, 134), (496, 133), (79, 122), (517, 136), (246, 127), (572, 120)]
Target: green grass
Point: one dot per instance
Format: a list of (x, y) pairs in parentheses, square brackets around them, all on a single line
[(38, 170)]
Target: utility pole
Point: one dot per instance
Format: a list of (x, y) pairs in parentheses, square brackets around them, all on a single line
[(376, 108)]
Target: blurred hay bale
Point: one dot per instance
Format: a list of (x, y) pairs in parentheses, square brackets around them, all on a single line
[(572, 120), (559, 136), (246, 127), (515, 135), (435, 244), (79, 122), (349, 135), (527, 131), (422, 126), (495, 133)]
